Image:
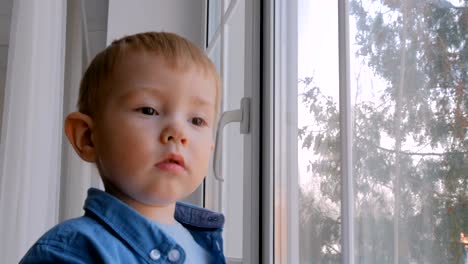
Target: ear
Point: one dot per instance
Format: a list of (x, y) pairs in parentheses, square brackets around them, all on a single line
[(79, 129)]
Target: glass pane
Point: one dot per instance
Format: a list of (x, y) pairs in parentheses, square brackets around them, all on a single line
[(318, 137), (233, 145), (228, 55), (410, 100), (214, 18)]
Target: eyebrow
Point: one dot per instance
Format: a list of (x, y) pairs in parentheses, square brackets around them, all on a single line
[(195, 100), (199, 101), (141, 90)]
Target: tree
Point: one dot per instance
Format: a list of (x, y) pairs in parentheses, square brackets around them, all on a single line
[(414, 193)]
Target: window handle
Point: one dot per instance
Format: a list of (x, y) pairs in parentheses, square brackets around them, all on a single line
[(241, 115)]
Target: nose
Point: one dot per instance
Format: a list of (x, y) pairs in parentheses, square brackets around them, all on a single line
[(173, 133)]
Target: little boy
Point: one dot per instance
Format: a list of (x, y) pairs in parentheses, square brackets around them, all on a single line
[(148, 106)]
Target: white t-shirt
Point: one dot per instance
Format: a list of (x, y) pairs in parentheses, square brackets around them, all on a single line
[(194, 253)]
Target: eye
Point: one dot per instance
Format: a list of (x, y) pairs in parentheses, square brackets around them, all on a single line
[(148, 111), (198, 121)]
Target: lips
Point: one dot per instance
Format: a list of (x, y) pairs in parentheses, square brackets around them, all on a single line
[(172, 163)]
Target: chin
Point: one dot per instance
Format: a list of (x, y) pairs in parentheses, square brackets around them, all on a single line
[(160, 200)]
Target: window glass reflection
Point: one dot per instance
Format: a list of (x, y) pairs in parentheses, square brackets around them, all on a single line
[(410, 125)]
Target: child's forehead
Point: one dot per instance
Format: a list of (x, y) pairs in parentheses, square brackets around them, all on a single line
[(147, 60), (145, 69)]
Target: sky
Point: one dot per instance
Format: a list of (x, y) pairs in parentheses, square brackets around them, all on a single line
[(318, 58)]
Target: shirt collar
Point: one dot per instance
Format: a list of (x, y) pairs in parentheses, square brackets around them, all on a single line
[(141, 233), (192, 215)]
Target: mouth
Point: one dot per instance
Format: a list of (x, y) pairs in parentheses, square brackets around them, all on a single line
[(172, 163)]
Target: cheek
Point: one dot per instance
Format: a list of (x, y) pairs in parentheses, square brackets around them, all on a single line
[(203, 149), (127, 147)]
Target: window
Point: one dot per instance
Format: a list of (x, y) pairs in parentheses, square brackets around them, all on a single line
[(371, 159), (352, 144), (233, 44)]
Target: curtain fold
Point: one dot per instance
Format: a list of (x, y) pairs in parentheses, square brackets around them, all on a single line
[(32, 127), (77, 176)]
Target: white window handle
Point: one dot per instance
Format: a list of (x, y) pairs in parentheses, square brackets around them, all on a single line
[(241, 115)]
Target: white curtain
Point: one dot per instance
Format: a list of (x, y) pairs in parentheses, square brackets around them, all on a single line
[(32, 124), (77, 176), (42, 181)]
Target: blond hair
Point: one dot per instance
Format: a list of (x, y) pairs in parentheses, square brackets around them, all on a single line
[(177, 52)]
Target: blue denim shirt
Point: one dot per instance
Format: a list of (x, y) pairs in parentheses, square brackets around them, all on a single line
[(112, 232)]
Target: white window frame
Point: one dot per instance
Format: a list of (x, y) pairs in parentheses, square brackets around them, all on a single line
[(346, 134), (251, 141), (252, 89), (280, 235)]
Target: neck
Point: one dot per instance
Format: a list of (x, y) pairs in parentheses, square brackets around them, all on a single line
[(162, 213)]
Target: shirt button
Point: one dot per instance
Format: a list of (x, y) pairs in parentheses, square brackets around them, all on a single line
[(173, 255), (155, 254)]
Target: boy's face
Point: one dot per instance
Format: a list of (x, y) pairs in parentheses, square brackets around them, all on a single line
[(154, 135)]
